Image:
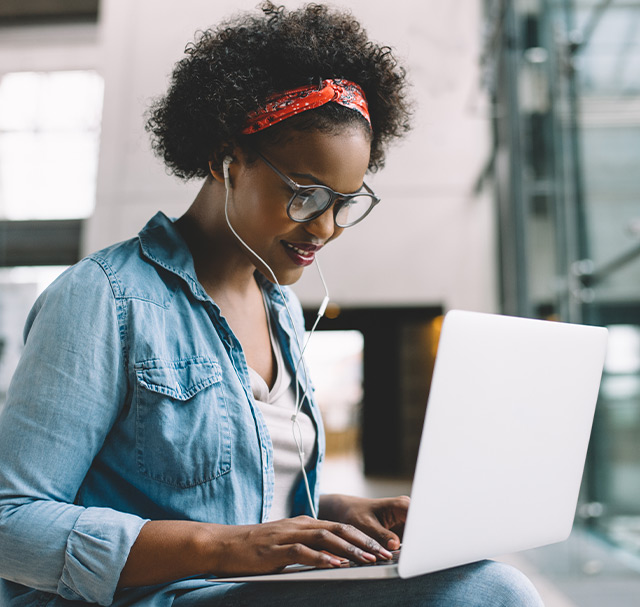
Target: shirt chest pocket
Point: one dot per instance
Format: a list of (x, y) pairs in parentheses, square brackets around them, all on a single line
[(183, 435)]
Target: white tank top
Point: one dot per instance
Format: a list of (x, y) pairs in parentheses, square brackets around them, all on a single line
[(277, 406)]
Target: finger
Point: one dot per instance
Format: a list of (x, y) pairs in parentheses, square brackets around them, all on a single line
[(338, 538), (299, 553), (392, 541), (346, 540), (399, 530), (374, 535), (322, 531), (386, 537)]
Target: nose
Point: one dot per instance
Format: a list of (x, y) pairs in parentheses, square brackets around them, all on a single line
[(324, 227)]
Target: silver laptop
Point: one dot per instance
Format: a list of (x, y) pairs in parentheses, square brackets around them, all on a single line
[(503, 446)]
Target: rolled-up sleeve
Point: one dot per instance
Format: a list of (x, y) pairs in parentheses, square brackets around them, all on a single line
[(98, 546), (68, 390)]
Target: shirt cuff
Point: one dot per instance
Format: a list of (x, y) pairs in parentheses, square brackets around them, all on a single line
[(97, 550)]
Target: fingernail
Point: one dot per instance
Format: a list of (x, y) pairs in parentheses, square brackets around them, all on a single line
[(384, 552), (335, 562), (368, 556)]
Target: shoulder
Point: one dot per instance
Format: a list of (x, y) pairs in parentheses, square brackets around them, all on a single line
[(93, 276), (88, 289), (134, 273)]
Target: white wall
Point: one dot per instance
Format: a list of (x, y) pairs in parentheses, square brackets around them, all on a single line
[(44, 48), (429, 242)]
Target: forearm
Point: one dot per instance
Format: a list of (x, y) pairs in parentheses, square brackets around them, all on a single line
[(170, 550)]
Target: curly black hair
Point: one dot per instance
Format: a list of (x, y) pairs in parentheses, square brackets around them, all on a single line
[(231, 70)]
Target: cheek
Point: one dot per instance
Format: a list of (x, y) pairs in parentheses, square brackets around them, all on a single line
[(266, 216), (268, 200)]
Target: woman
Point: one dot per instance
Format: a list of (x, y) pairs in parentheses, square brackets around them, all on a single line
[(147, 441)]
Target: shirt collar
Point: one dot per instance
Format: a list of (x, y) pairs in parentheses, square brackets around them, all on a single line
[(162, 243)]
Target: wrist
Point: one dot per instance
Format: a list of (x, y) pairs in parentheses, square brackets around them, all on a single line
[(209, 545), (165, 551)]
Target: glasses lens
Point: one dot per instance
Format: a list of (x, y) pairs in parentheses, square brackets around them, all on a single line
[(353, 210), (308, 203)]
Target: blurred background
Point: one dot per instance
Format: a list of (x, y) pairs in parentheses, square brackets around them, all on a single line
[(517, 192)]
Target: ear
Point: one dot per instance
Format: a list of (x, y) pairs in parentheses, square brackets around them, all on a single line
[(216, 170), (218, 159)]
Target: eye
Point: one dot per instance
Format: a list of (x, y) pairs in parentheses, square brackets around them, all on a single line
[(309, 202), (306, 196)]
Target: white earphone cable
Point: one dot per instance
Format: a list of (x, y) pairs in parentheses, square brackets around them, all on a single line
[(299, 400)]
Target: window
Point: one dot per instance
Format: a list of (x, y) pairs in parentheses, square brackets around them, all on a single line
[(49, 142), (49, 138)]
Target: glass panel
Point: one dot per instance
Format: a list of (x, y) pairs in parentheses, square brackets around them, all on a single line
[(610, 60), (567, 103), (609, 81), (612, 201), (49, 140), (604, 224), (616, 444)]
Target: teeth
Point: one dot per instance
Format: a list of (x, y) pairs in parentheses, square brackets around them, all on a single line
[(300, 252)]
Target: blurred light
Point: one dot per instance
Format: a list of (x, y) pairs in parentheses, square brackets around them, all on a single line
[(333, 310), (536, 55), (623, 349)]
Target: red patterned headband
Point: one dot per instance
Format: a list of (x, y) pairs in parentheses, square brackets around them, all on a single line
[(284, 105)]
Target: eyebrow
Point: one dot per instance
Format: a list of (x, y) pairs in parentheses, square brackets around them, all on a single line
[(319, 182), (310, 176)]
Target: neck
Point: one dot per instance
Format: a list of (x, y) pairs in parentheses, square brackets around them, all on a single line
[(221, 264)]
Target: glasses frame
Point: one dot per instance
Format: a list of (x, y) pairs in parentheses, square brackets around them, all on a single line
[(342, 199)]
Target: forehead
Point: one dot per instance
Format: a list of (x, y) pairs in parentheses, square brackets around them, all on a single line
[(339, 160)]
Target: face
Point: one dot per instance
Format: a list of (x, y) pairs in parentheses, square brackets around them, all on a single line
[(259, 197)]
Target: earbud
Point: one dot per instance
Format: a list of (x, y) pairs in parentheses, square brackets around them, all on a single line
[(225, 168)]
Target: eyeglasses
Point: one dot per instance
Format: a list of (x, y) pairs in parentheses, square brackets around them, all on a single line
[(310, 201)]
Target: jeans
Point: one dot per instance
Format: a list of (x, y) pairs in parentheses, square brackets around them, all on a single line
[(482, 584)]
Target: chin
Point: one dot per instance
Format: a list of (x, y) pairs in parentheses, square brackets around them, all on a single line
[(284, 278), (290, 278)]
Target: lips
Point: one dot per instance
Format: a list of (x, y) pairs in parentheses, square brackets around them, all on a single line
[(301, 253)]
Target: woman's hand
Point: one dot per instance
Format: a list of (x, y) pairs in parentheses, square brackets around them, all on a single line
[(269, 547), (382, 519), (170, 550)]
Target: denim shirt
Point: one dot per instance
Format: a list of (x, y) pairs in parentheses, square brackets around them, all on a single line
[(131, 402)]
